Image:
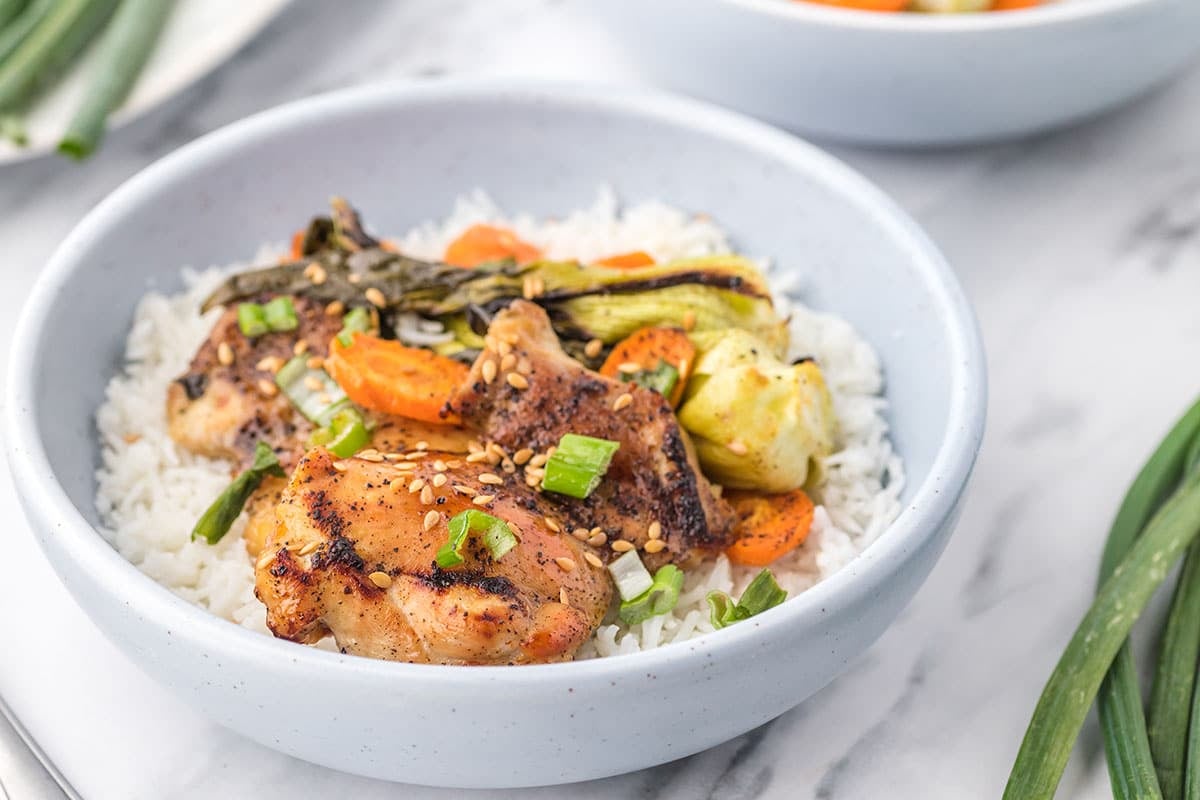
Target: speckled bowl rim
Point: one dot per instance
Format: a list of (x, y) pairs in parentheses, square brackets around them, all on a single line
[(931, 506), (930, 24)]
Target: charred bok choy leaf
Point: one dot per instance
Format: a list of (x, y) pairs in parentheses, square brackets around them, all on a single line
[(216, 521)]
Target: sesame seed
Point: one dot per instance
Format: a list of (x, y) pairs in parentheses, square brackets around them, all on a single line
[(315, 273), (517, 380), (689, 320), (624, 401), (483, 499), (655, 546), (336, 308), (622, 546), (532, 480), (432, 518), (562, 595), (397, 484), (522, 455), (508, 362), (381, 579), (309, 548), (454, 463), (490, 342), (629, 366), (593, 559), (440, 480), (417, 456), (440, 465), (269, 364), (264, 559), (314, 383), (598, 539), (476, 457), (523, 366), (593, 348), (551, 524), (374, 458), (225, 353), (300, 347), (655, 531), (596, 530), (354, 278), (393, 456), (535, 472), (510, 337), (737, 447), (492, 478), (565, 564), (503, 348), (494, 458), (474, 447), (375, 297), (268, 388), (340, 466), (421, 445), (496, 449), (467, 490), (489, 371), (427, 495), (581, 534), (405, 466), (316, 362), (417, 485), (507, 466), (539, 460)]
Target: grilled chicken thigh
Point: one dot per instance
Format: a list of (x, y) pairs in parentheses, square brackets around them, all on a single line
[(353, 551), (526, 392)]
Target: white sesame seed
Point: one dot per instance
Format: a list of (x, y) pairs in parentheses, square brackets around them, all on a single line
[(593, 559), (539, 460), (522, 455), (334, 309), (421, 445), (655, 530), (309, 548), (375, 297), (517, 381), (565, 564), (316, 362), (622, 546), (372, 457), (467, 490), (225, 353), (315, 273), (489, 371), (417, 485), (551, 524), (491, 478), (432, 518), (624, 401), (268, 388), (440, 465), (483, 499), (654, 546), (269, 364), (300, 347), (508, 362), (523, 366), (593, 348), (629, 367), (381, 579), (427, 495), (581, 534), (440, 480), (475, 458), (598, 539)]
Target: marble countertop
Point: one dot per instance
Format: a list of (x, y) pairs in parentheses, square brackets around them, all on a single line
[(1080, 250)]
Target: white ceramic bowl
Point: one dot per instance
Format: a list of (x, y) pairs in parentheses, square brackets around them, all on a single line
[(908, 79), (402, 154)]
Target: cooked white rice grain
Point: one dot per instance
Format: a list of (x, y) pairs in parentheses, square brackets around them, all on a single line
[(150, 491)]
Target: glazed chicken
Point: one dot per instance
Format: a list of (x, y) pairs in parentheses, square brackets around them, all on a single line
[(353, 555), (654, 476)]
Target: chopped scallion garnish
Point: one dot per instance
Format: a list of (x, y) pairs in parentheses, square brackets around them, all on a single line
[(297, 381), (252, 320), (630, 575), (216, 521), (762, 593), (661, 379), (357, 320), (497, 537), (281, 314), (578, 464), (346, 435), (660, 598)]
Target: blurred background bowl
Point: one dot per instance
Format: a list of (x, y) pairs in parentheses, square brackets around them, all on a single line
[(908, 79)]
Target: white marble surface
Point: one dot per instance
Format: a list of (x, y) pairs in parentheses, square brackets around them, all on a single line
[(1081, 251)]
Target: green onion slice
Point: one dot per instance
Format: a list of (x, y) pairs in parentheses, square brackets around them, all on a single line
[(660, 598), (578, 464), (762, 593), (216, 521), (299, 383), (281, 314), (661, 379), (252, 320), (346, 435), (497, 536), (357, 320), (630, 575)]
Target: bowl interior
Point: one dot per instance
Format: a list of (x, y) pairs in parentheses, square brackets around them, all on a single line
[(403, 156)]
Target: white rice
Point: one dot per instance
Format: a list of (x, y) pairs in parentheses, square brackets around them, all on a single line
[(150, 491)]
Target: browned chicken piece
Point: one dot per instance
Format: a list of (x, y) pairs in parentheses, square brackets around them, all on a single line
[(227, 400), (526, 392), (353, 551)]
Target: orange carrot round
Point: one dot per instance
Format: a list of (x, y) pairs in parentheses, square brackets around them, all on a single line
[(480, 244), (633, 260), (384, 375), (866, 5), (647, 348), (769, 526)]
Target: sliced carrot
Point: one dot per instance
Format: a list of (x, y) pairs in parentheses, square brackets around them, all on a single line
[(638, 258), (297, 251), (769, 526), (1013, 5), (867, 5), (480, 244), (384, 375), (650, 346)]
